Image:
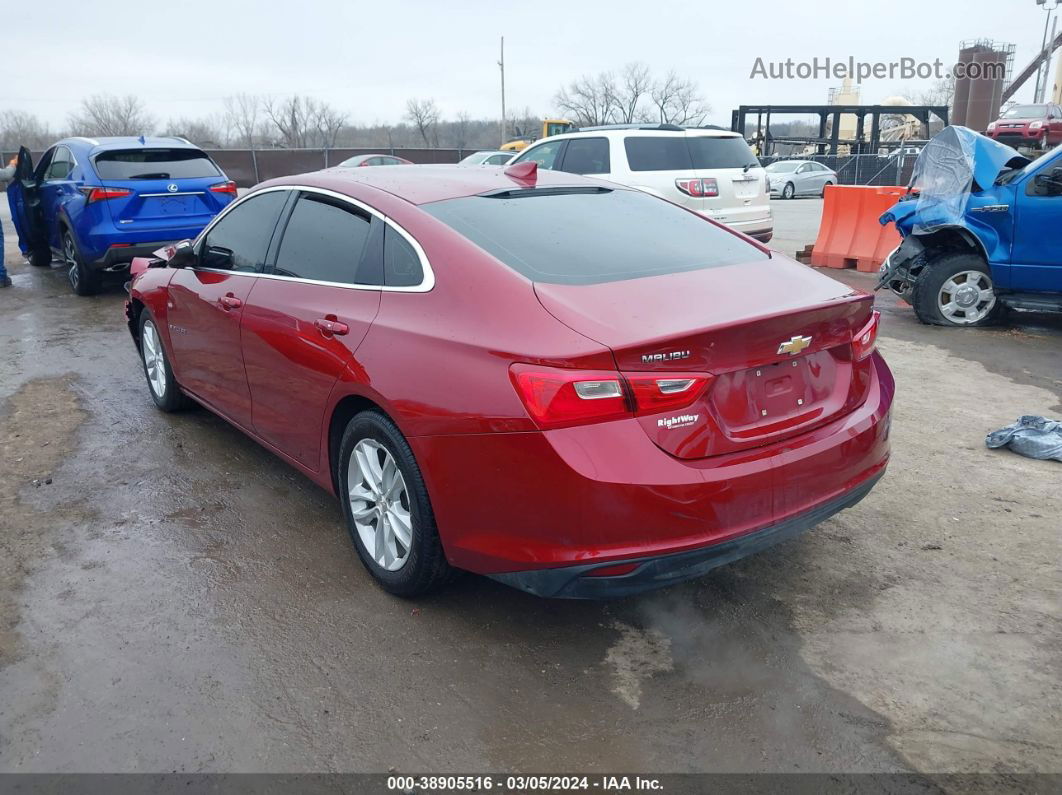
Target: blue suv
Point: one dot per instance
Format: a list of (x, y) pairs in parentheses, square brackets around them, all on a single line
[(982, 232), (95, 203)]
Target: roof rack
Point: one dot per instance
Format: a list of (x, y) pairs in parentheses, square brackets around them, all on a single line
[(667, 127)]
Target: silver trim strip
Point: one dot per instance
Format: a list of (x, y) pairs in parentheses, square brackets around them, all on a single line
[(177, 193), (426, 284)]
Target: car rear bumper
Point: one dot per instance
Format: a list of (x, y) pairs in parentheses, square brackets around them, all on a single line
[(579, 582), (1024, 136), (576, 498), (119, 257)]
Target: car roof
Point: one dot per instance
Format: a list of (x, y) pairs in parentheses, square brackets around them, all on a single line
[(422, 184), (108, 143), (624, 130)]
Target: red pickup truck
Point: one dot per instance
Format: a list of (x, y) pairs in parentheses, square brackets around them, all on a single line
[(1028, 125)]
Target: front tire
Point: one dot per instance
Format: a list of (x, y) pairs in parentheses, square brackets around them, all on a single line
[(83, 280), (161, 383), (788, 191), (956, 290), (386, 506)]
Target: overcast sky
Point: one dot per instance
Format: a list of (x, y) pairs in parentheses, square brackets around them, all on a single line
[(368, 58)]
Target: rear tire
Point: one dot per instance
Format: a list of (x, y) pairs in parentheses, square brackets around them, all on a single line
[(40, 257), (788, 192), (386, 506), (823, 194), (83, 280), (161, 384), (956, 290)]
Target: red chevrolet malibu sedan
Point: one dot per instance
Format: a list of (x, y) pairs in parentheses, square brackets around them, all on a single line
[(570, 386)]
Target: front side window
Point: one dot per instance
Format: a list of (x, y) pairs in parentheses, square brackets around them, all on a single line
[(591, 235), (587, 156), (544, 154), (240, 240), (323, 241)]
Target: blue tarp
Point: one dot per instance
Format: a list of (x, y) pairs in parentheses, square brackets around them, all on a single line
[(1032, 436)]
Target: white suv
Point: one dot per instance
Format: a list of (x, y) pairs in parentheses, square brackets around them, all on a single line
[(709, 170)]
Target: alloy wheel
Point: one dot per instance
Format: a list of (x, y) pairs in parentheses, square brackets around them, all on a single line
[(967, 297), (70, 255), (379, 504), (154, 363)]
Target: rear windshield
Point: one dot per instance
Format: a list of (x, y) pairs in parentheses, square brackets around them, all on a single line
[(682, 153), (588, 236), (155, 164)]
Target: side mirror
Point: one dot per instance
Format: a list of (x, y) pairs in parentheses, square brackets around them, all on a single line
[(218, 258), (179, 255)]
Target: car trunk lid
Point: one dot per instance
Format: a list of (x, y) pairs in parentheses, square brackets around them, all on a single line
[(775, 336)]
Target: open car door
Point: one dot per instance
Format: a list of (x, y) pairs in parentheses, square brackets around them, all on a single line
[(23, 195)]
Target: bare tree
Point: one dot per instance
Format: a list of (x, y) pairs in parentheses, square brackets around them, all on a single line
[(460, 129), (104, 114), (940, 92), (19, 128), (303, 121), (242, 113), (677, 100), (209, 132), (588, 101), (424, 115), (634, 87)]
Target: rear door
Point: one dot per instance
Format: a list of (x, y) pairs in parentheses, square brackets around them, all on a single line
[(172, 193), (23, 196), (206, 305), (306, 317), (587, 156)]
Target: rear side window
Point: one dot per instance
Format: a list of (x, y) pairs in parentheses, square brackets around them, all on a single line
[(401, 264), (240, 239), (658, 153), (323, 241), (720, 152), (682, 153), (586, 156), (155, 164), (587, 236)]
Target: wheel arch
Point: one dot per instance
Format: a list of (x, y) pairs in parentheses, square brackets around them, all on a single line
[(948, 240), (342, 413)]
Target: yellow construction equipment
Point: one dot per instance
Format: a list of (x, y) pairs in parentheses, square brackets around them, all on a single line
[(549, 127)]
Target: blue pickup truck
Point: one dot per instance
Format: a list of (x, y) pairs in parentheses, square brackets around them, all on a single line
[(982, 232)]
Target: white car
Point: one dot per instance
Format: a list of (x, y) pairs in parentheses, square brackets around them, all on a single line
[(488, 157), (709, 170)]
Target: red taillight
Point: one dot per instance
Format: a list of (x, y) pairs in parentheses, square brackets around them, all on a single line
[(655, 392), (559, 398), (699, 188), (102, 194), (224, 187), (865, 341)]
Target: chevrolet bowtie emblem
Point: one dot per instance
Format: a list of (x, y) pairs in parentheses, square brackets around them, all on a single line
[(794, 345)]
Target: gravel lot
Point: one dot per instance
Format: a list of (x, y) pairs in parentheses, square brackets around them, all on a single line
[(173, 597)]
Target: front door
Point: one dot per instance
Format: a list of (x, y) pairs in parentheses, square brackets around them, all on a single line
[(206, 305), (306, 317), (1036, 263), (23, 196)]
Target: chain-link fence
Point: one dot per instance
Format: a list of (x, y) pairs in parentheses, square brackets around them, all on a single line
[(892, 169)]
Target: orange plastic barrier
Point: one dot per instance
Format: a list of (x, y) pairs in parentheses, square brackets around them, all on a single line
[(849, 234)]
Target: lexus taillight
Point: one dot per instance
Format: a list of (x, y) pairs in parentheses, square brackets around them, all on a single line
[(865, 341), (102, 194), (224, 187), (699, 188), (559, 398)]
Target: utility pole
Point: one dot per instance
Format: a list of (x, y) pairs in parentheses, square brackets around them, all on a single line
[(1043, 74), (501, 65)]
